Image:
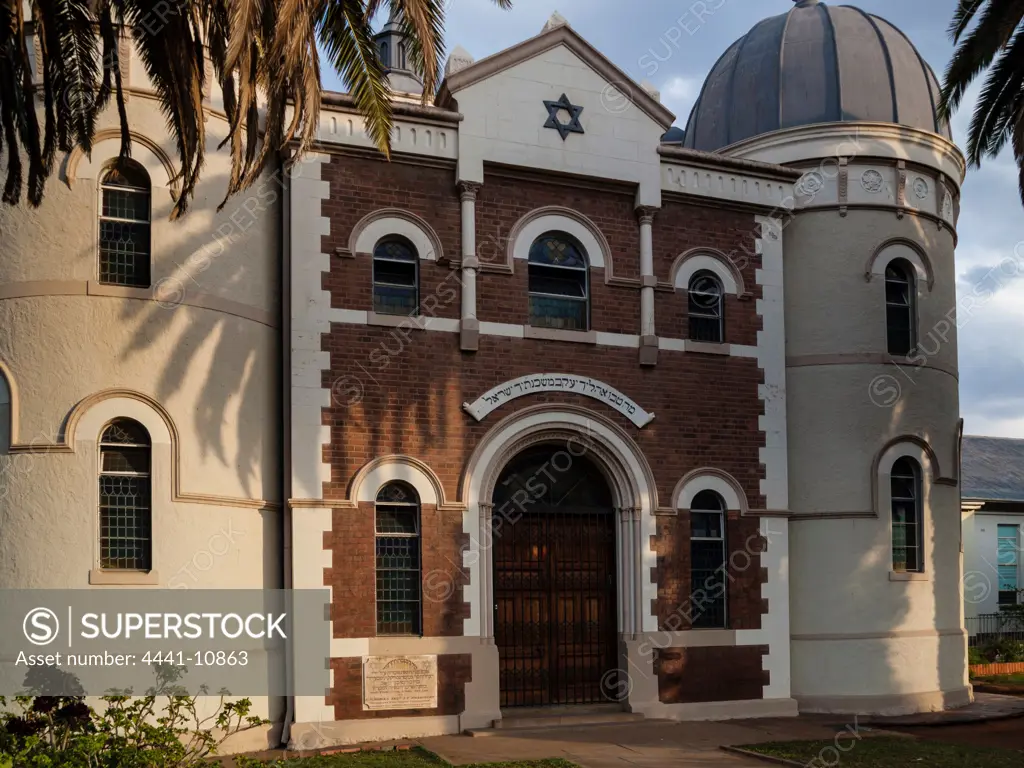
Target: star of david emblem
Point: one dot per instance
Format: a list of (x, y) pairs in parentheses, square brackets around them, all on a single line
[(564, 129)]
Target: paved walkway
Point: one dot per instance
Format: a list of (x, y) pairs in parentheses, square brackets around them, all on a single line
[(649, 744), (986, 707)]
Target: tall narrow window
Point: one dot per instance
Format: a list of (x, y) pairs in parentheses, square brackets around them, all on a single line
[(124, 226), (706, 308), (5, 419), (1008, 537), (905, 483), (396, 277), (126, 539), (707, 561), (398, 561), (402, 63), (899, 307), (559, 283)]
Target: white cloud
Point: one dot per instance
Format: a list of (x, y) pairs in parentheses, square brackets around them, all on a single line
[(678, 93)]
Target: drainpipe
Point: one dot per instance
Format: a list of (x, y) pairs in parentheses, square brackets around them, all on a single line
[(286, 433)]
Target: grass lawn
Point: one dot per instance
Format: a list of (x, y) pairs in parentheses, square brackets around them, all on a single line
[(1007, 684), (414, 758), (888, 752), (1015, 679)]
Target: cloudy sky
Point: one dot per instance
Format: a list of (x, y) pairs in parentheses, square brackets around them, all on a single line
[(991, 221)]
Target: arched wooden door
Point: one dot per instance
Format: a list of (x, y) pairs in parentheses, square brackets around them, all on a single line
[(553, 529)]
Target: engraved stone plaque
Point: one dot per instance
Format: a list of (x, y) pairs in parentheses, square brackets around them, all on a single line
[(400, 682)]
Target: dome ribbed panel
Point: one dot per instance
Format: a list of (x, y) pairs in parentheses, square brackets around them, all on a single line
[(815, 64), (810, 77), (869, 94)]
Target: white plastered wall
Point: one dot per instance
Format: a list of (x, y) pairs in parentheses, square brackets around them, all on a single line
[(981, 558), (504, 118)]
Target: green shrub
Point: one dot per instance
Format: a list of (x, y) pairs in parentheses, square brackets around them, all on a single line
[(976, 656), (1002, 650), (63, 732)]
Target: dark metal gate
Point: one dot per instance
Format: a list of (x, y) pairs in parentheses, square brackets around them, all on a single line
[(554, 582)]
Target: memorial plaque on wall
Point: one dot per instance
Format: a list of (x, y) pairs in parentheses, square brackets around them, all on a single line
[(400, 682)]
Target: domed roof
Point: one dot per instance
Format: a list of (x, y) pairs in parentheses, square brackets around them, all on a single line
[(815, 64)]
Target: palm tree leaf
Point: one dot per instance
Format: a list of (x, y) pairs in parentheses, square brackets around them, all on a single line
[(71, 68), (168, 40), (996, 104), (112, 70), (977, 50), (348, 42)]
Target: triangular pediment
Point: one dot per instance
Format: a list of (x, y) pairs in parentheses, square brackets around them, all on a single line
[(621, 88)]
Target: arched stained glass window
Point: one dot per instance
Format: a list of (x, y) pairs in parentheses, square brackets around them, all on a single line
[(126, 538), (707, 561), (395, 277), (559, 283), (125, 226), (399, 591), (706, 308)]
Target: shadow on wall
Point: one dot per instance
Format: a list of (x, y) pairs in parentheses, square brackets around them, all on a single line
[(222, 256)]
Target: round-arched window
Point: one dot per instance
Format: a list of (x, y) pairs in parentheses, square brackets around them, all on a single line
[(559, 283)]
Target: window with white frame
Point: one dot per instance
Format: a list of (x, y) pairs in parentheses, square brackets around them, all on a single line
[(396, 277), (907, 516), (900, 292), (125, 193), (399, 592), (707, 561), (1008, 554), (706, 308), (126, 525), (559, 283)]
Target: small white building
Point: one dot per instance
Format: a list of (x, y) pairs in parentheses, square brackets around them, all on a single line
[(993, 518)]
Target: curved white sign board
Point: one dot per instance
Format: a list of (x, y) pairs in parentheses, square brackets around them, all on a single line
[(490, 401)]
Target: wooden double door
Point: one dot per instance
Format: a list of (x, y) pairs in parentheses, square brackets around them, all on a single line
[(554, 581)]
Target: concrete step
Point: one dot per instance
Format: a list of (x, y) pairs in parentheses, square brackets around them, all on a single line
[(556, 717)]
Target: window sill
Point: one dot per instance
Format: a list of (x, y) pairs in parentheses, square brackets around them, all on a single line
[(100, 577), (908, 576), (708, 348), (554, 334), (392, 321)]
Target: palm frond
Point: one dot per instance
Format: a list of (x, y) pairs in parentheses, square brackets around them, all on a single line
[(977, 50), (168, 40), (348, 42), (996, 104)]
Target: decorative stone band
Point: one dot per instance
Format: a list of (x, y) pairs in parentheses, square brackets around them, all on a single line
[(557, 382)]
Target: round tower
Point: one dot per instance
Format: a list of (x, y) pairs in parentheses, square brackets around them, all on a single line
[(873, 410), (140, 358)]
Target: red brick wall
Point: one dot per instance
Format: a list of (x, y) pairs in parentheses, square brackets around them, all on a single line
[(353, 578), (744, 575), (681, 227), (453, 672), (688, 675), (401, 391)]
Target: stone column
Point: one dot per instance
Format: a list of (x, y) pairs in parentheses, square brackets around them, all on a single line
[(470, 327), (648, 337), (485, 572)]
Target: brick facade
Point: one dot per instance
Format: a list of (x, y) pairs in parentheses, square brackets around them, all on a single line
[(400, 391), (690, 675), (454, 670)]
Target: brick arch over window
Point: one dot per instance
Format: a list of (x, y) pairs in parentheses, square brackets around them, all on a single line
[(697, 260), (375, 474), (710, 479), (376, 226), (908, 251), (536, 223)]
